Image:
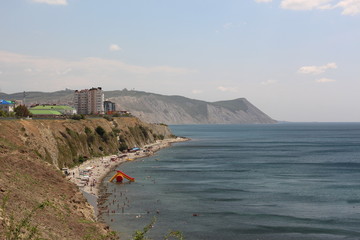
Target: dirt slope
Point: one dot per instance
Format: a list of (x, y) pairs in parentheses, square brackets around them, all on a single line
[(32, 151)]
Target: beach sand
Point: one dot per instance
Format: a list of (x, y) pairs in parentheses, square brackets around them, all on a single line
[(89, 175)]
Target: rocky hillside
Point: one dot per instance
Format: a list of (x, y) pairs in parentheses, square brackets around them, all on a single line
[(181, 110), (166, 109), (32, 151)]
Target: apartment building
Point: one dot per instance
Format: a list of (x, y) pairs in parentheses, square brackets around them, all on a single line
[(109, 107), (89, 101)]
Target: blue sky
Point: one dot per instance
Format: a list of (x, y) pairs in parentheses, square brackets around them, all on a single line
[(297, 60)]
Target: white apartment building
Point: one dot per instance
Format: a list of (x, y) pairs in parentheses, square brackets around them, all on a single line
[(89, 101)]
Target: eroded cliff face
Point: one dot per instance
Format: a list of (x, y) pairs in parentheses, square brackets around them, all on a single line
[(65, 143), (180, 110), (32, 151)]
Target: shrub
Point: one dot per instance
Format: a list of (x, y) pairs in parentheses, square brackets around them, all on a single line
[(81, 159), (88, 131), (22, 111), (116, 130), (108, 118), (99, 130), (78, 117), (122, 147)]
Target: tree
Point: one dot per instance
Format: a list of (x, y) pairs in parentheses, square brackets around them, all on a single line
[(22, 111)]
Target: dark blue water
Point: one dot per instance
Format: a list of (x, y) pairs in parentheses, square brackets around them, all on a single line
[(283, 181)]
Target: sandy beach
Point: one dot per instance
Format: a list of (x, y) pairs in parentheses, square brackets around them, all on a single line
[(89, 175)]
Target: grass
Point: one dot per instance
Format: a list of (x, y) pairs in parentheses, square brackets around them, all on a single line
[(21, 229)]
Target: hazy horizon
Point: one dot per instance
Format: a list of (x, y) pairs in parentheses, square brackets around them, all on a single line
[(296, 60)]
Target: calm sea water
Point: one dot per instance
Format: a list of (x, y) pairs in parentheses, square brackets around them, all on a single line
[(283, 181)]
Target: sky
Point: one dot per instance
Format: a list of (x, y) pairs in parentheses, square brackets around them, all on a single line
[(296, 60)]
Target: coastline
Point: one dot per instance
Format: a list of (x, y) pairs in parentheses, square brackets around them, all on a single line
[(89, 175)]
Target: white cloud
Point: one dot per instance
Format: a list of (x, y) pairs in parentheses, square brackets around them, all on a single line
[(317, 69), (41, 73), (269, 82), (350, 7), (305, 4), (196, 91), (227, 89), (227, 25), (64, 72), (52, 2), (38, 64), (114, 47), (325, 80)]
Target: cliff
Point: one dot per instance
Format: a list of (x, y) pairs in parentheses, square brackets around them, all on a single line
[(181, 110), (32, 151)]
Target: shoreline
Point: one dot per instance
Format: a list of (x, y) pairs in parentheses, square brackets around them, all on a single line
[(89, 175)]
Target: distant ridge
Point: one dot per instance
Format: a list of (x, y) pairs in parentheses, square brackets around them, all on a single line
[(158, 108)]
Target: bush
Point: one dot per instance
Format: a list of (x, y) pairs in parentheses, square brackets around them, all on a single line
[(78, 117), (123, 147), (99, 130), (108, 118), (22, 111), (88, 131), (81, 159), (116, 130)]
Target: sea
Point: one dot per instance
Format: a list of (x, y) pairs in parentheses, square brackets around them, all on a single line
[(248, 182)]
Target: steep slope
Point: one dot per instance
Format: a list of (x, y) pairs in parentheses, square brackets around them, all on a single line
[(32, 151), (181, 110)]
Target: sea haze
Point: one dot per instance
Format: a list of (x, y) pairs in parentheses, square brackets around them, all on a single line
[(282, 181)]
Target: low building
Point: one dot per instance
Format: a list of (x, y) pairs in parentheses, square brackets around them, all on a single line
[(7, 106)]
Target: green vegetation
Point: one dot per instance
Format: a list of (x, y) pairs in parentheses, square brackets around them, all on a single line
[(99, 130), (123, 147), (175, 234), (22, 111), (21, 229), (140, 234), (88, 131), (158, 136), (93, 236), (107, 117), (78, 116), (4, 114)]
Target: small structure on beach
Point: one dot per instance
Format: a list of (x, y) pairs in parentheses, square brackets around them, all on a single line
[(119, 176)]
